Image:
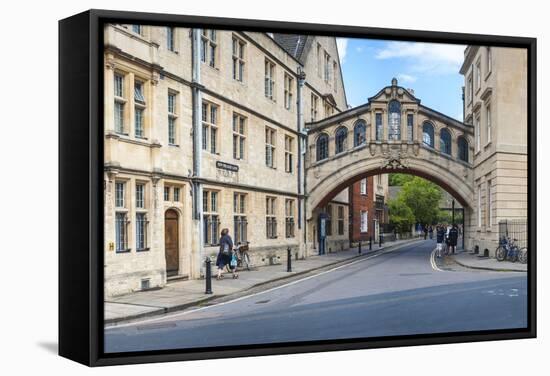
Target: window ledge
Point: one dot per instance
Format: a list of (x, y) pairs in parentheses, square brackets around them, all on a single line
[(487, 75), (128, 250), (143, 249), (487, 145), (175, 145)]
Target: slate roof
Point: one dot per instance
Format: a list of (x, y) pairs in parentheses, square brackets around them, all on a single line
[(292, 43)]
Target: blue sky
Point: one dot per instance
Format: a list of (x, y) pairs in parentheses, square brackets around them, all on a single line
[(430, 69)]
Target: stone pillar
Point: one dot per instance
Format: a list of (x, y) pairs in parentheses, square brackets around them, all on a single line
[(108, 95)]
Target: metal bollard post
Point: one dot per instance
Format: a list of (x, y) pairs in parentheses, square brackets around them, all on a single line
[(288, 260), (208, 276), (359, 247), (380, 241), (370, 243)]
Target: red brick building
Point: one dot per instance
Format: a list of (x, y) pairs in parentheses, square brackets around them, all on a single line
[(367, 210)]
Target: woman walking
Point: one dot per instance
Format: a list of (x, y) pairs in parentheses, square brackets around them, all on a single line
[(225, 254), (440, 237)]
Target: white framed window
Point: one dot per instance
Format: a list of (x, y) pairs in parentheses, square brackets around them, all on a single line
[(209, 47), (120, 102), (289, 154), (176, 194), (238, 49), (363, 186), (211, 217), (166, 193), (289, 218), (269, 80), (209, 127), (170, 39), (489, 125), (364, 221), (270, 142), (479, 205), (140, 195), (239, 136), (477, 133), (314, 107), (270, 217), (141, 231), (240, 222), (288, 84), (172, 118)]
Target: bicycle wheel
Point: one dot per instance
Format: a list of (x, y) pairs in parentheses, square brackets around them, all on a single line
[(522, 256), (500, 253), (246, 261), (513, 255)]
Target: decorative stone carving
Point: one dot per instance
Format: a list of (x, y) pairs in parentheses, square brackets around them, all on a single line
[(395, 158)]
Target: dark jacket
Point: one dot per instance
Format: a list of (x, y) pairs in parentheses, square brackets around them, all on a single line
[(453, 236), (440, 234), (224, 259)]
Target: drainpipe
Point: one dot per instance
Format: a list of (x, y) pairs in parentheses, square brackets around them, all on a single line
[(197, 146), (301, 154)]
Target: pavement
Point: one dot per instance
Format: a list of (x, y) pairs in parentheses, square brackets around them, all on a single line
[(397, 291), (475, 261), (182, 295)]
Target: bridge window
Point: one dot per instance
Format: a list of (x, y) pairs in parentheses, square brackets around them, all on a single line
[(322, 147), (341, 139), (462, 149), (428, 134), (410, 125), (359, 133), (379, 127), (394, 120), (445, 141)]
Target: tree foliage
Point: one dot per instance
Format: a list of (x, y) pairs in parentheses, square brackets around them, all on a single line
[(422, 197), (397, 179), (401, 215)]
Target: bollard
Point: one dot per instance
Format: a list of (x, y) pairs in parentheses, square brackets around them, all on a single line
[(288, 260), (359, 247), (380, 241), (208, 276), (370, 243)]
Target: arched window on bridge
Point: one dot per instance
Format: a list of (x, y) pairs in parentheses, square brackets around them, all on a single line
[(394, 120), (445, 141), (359, 133), (341, 139), (428, 134), (322, 147), (463, 149)]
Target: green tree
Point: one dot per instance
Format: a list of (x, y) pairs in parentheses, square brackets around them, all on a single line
[(422, 197), (399, 179), (401, 215)]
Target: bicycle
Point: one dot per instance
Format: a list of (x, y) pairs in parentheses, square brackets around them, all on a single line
[(243, 259), (522, 256), (507, 249)]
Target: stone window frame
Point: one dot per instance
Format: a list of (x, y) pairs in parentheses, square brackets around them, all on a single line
[(328, 221), (172, 117), (314, 107), (120, 109), (139, 101), (340, 139), (477, 75), (356, 133), (239, 128), (270, 73), (122, 221), (209, 48), (322, 150), (141, 213), (327, 68), (289, 154), (288, 93), (488, 61), (289, 218), (210, 137), (432, 134), (488, 124), (238, 58), (211, 216), (449, 149), (171, 39), (240, 221), (271, 217), (270, 147)]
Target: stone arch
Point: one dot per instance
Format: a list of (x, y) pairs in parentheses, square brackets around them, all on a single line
[(451, 179)]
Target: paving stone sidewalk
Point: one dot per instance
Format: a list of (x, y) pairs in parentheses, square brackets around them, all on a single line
[(184, 294), (473, 261)]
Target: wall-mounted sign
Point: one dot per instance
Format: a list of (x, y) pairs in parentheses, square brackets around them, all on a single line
[(227, 166)]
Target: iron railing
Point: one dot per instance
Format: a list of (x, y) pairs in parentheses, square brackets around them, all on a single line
[(515, 229)]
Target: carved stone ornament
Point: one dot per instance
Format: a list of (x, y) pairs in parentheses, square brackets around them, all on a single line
[(395, 158)]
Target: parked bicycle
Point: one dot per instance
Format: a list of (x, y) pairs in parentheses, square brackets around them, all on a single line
[(507, 249), (522, 256), (243, 259)]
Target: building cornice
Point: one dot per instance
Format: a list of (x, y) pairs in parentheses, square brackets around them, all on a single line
[(469, 55)]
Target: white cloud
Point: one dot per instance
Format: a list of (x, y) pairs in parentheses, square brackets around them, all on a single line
[(342, 44), (359, 49), (425, 57), (406, 78)]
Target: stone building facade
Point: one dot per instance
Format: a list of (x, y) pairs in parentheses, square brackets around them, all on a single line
[(204, 129), (495, 103)]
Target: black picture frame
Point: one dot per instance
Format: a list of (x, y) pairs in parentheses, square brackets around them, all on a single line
[(81, 201)]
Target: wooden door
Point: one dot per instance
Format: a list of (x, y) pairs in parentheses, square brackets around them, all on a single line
[(171, 242)]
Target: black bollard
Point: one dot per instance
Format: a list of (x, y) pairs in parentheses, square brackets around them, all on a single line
[(370, 243), (359, 247), (208, 276), (380, 241), (288, 260)]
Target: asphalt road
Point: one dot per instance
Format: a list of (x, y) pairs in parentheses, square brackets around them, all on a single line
[(394, 293)]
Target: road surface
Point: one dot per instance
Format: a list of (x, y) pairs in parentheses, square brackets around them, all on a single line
[(394, 293)]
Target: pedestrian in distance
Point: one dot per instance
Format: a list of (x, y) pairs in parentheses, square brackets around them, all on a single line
[(453, 238), (440, 238), (431, 232), (425, 231), (225, 254)]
